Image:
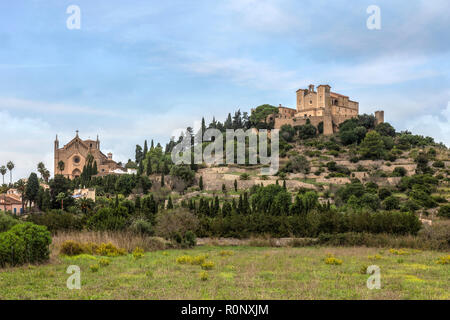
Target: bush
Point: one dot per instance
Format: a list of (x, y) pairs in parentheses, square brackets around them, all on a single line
[(108, 249), (57, 220), (12, 249), (244, 176), (439, 164), (399, 172), (103, 262), (177, 222), (7, 222), (203, 275), (94, 267), (207, 265), (391, 203), (142, 227), (25, 242), (444, 211), (333, 261), (72, 248), (138, 253)]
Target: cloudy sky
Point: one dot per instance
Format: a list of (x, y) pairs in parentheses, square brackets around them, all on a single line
[(139, 70)]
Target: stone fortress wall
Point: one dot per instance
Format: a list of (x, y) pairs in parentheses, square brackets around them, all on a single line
[(320, 106)]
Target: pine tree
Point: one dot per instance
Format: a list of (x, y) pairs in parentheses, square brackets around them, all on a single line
[(229, 122)]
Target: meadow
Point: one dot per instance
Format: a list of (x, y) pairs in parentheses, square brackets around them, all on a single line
[(236, 272)]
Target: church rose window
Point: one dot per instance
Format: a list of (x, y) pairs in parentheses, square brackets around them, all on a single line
[(76, 159)]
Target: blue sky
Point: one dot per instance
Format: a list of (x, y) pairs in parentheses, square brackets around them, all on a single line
[(141, 69)]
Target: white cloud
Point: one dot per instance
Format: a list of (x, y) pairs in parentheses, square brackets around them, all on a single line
[(26, 142), (382, 71), (264, 15), (436, 126), (47, 107)]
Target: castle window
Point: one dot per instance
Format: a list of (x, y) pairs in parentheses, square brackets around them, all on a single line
[(310, 101)]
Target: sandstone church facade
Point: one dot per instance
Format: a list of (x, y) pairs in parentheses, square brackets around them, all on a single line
[(74, 155), (322, 105)]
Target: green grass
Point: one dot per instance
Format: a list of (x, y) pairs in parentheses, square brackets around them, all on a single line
[(248, 273)]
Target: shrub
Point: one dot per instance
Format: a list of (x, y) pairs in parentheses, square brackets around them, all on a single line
[(37, 241), (175, 222), (391, 203), (398, 252), (57, 220), (198, 260), (444, 260), (207, 265), (108, 249), (12, 249), (142, 226), (184, 260), (7, 222), (203, 275), (190, 239), (439, 164), (224, 253), (138, 253), (245, 176), (332, 260), (94, 267), (104, 262), (399, 172), (444, 211), (72, 248)]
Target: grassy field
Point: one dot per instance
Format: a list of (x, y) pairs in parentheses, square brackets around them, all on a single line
[(238, 273)]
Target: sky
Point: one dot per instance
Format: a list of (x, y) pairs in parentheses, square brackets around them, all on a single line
[(138, 70)]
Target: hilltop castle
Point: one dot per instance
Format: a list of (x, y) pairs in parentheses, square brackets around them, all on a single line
[(74, 155), (322, 105)]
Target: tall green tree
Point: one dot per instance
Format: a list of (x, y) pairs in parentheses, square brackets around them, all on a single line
[(372, 147), (32, 189)]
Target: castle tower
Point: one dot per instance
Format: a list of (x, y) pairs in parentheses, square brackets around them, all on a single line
[(324, 100), (379, 117), (300, 99)]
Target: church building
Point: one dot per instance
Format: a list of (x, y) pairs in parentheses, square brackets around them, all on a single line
[(71, 158)]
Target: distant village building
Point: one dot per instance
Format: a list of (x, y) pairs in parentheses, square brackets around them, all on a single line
[(322, 105), (85, 193), (74, 155), (11, 201)]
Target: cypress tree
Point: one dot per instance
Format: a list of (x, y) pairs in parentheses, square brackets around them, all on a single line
[(145, 149), (149, 166), (169, 203), (200, 183), (162, 180)]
